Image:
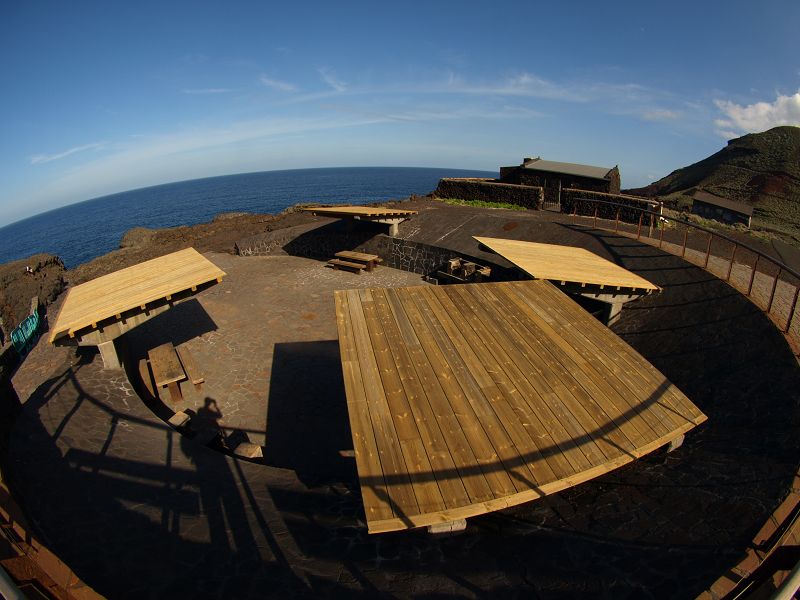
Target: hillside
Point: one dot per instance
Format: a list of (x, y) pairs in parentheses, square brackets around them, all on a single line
[(761, 169)]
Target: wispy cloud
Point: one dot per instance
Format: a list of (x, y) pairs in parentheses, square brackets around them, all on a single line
[(208, 91), (759, 116), (275, 84), (45, 158), (661, 114), (332, 80)]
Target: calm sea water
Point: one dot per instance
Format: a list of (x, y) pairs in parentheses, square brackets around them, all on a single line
[(81, 232)]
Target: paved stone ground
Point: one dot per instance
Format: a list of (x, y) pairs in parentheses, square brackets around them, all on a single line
[(141, 511), (268, 330)]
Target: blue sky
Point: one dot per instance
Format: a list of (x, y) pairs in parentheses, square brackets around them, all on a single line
[(101, 97)]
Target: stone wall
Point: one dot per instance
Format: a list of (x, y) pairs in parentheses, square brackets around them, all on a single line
[(489, 190), (571, 201), (322, 243), (309, 240)]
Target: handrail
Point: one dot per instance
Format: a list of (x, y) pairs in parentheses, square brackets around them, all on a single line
[(654, 217)]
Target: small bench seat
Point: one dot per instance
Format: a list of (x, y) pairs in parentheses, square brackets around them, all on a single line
[(345, 264), (190, 367)]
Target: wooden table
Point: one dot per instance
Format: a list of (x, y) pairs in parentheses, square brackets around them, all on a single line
[(370, 260), (167, 370), (464, 399)]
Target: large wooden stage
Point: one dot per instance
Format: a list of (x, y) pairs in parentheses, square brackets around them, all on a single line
[(466, 399)]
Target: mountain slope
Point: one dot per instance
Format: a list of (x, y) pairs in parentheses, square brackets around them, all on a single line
[(761, 169)]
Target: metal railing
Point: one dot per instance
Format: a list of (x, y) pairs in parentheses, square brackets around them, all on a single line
[(770, 284)]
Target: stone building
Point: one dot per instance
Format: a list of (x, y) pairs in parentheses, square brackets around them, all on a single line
[(554, 176), (711, 206)]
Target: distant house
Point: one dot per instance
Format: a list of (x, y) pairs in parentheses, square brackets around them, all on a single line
[(711, 206), (554, 176)]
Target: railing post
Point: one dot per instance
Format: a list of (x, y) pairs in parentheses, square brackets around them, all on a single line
[(753, 275), (774, 287), (730, 266), (639, 229), (650, 228), (616, 224), (685, 235), (708, 250), (595, 216), (661, 237), (792, 309)]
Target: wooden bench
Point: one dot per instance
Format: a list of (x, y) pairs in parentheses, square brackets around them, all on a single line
[(190, 367), (345, 264), (370, 261), (167, 370)]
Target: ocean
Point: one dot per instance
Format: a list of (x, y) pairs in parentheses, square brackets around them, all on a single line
[(80, 232)]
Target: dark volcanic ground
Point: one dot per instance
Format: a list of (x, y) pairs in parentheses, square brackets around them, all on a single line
[(139, 510)]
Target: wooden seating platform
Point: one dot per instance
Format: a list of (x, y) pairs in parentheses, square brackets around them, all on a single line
[(465, 399)]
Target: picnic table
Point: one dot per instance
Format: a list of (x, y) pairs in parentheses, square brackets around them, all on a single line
[(366, 261)]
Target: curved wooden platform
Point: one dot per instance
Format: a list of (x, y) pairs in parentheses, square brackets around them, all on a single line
[(566, 264), (466, 399)]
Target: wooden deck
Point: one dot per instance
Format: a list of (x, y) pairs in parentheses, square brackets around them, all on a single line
[(132, 289), (360, 211), (565, 264), (465, 399)]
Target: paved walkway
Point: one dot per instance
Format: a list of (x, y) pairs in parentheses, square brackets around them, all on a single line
[(140, 511)]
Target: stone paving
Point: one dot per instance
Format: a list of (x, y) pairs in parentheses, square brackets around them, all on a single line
[(139, 510)]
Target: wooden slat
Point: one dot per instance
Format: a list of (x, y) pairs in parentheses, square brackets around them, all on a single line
[(472, 398), (133, 287), (374, 491), (402, 499), (441, 411), (165, 364), (565, 264), (442, 465)]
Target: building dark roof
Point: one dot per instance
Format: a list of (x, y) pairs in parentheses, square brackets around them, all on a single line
[(551, 166), (731, 205)]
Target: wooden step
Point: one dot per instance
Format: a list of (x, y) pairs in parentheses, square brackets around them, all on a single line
[(345, 264)]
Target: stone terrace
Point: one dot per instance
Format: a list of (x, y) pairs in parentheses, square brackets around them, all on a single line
[(138, 509)]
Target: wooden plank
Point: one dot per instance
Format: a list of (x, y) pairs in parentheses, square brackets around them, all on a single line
[(193, 372), (512, 443), (441, 412), (608, 419), (605, 366), (401, 493), (373, 485), (442, 465), (462, 406), (496, 351), (565, 263), (672, 405), (165, 364), (554, 399), (133, 287)]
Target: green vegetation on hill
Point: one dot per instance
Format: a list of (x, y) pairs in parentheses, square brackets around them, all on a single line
[(760, 169)]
